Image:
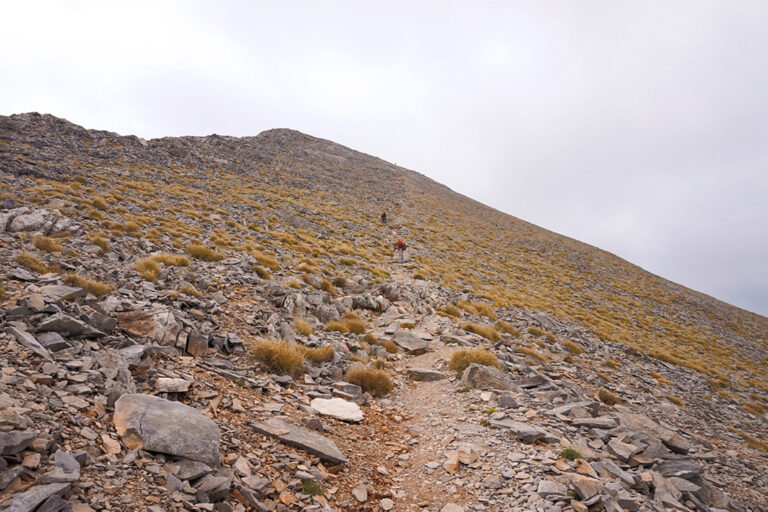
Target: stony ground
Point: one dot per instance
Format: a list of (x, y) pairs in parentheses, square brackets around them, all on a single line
[(123, 390)]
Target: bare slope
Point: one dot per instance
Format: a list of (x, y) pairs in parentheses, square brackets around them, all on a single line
[(291, 200)]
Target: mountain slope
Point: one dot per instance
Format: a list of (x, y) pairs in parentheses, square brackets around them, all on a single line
[(159, 267), (282, 180)]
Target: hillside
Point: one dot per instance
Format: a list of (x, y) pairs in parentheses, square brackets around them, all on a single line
[(170, 258)]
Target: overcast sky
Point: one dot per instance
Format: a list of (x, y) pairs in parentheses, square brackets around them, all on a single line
[(639, 127)]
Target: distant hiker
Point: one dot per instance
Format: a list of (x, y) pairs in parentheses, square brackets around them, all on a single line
[(384, 218), (400, 248)]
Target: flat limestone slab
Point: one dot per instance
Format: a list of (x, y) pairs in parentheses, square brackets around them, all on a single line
[(301, 438), (338, 408)]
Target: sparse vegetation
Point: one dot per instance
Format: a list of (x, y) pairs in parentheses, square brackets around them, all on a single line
[(203, 253), (675, 399), (572, 347), (570, 454), (92, 286), (318, 355), (171, 260), (376, 382), (507, 328), (47, 244), (191, 290), (486, 331), (311, 488), (461, 359), (303, 327), (607, 397), (147, 268), (278, 356), (32, 262)]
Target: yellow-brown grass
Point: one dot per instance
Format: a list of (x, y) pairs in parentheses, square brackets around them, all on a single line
[(572, 347), (47, 244), (172, 260), (100, 242), (32, 262), (191, 290), (507, 328), (147, 268), (261, 271), (92, 286), (374, 381), (203, 253), (533, 353), (675, 399), (486, 331), (318, 355), (461, 359), (303, 327), (608, 397), (278, 357), (756, 444), (449, 311)]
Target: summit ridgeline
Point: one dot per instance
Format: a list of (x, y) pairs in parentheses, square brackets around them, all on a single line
[(279, 323)]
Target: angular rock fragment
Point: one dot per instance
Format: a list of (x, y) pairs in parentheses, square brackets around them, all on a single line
[(426, 374), (155, 424), (29, 341), (484, 377), (410, 343), (301, 438), (68, 326), (169, 385), (586, 487), (15, 441), (31, 499), (523, 431)]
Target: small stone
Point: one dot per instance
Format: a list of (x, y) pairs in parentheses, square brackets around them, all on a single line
[(360, 493), (452, 507), (387, 504), (168, 385), (111, 445)]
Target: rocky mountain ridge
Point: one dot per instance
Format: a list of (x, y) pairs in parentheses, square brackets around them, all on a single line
[(143, 276)]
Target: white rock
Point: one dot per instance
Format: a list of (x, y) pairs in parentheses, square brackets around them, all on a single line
[(338, 408), (168, 385)]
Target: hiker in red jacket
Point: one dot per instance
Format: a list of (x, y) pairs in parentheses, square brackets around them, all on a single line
[(400, 247)]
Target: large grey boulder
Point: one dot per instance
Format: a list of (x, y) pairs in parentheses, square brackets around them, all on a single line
[(485, 377), (158, 425), (410, 343), (301, 438), (27, 222), (7, 216)]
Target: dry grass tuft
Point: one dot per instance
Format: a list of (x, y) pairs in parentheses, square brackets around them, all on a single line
[(47, 244), (486, 331), (32, 262), (172, 260), (191, 290), (755, 444), (675, 399), (351, 324), (533, 353), (318, 355), (376, 382), (507, 328), (92, 286), (100, 242), (608, 397), (572, 347), (203, 253), (303, 327), (461, 359), (448, 311), (279, 357), (261, 271), (147, 268)]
